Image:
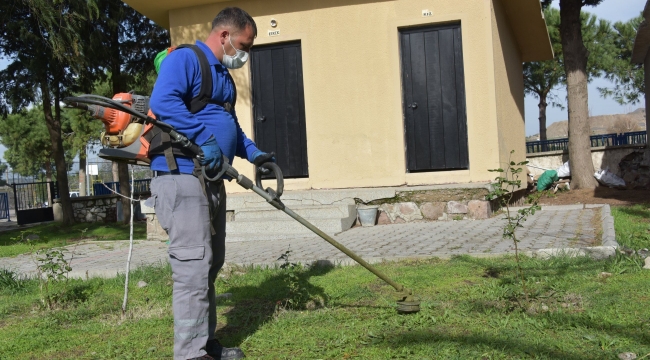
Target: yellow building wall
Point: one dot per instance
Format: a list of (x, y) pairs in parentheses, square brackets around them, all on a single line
[(508, 70), (352, 84)]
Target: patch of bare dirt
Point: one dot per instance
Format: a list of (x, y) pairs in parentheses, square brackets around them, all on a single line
[(600, 195)]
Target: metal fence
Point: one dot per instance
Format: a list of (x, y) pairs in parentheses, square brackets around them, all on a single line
[(33, 201), (630, 138), (139, 187), (4, 206)]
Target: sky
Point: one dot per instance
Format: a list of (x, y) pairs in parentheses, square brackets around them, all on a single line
[(612, 10)]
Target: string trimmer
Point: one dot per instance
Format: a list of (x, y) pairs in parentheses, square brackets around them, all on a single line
[(406, 302)]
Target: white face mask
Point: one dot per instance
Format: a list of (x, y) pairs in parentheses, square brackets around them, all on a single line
[(234, 61)]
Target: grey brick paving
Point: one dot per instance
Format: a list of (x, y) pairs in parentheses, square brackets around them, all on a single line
[(555, 228)]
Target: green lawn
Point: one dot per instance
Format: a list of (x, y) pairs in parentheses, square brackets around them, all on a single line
[(51, 235), (632, 224), (471, 309)]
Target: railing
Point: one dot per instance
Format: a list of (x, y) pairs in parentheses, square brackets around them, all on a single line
[(35, 195), (139, 186), (4, 206), (630, 138)]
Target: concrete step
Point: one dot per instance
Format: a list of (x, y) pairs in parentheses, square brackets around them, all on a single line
[(307, 212), (286, 227), (310, 198), (269, 237)]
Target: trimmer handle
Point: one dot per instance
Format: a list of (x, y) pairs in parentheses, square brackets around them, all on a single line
[(263, 170)]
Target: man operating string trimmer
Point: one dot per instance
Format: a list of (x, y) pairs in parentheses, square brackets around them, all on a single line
[(195, 131), (196, 235)]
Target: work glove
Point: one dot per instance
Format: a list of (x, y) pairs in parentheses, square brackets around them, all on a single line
[(211, 155), (260, 157)]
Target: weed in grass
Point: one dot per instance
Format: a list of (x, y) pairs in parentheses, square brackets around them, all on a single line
[(298, 296), (9, 281), (503, 191), (52, 267)]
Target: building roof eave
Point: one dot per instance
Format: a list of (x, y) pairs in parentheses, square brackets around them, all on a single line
[(526, 20)]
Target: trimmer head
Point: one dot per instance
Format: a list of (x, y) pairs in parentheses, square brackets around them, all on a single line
[(408, 307), (406, 302)]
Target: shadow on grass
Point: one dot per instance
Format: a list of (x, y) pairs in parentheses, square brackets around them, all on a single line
[(253, 305), (516, 347), (641, 211), (506, 270)]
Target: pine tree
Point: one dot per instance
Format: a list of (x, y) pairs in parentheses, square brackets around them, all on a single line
[(45, 42)]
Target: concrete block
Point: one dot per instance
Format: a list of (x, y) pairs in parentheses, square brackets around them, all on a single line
[(563, 207), (146, 209), (479, 209), (154, 230), (433, 210), (455, 207)]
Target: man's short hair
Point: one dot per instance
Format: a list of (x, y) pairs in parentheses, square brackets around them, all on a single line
[(236, 18)]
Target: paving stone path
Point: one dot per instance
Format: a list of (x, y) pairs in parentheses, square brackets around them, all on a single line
[(556, 228)]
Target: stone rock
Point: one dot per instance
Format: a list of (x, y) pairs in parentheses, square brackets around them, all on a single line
[(604, 275), (444, 217), (383, 218), (455, 207), (643, 253), (635, 169), (647, 263), (479, 209), (433, 210), (31, 237), (391, 211), (627, 356), (141, 284), (399, 220), (224, 296), (409, 211), (89, 217)]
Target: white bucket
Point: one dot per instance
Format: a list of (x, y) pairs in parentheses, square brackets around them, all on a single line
[(368, 215)]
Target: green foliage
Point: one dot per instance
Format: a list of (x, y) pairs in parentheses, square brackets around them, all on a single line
[(628, 78), (632, 226), (52, 267), (28, 142), (503, 189), (10, 282), (297, 292)]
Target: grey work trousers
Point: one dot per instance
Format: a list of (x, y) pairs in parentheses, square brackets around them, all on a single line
[(195, 255)]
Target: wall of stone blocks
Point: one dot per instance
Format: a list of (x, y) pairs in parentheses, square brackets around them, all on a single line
[(95, 208)]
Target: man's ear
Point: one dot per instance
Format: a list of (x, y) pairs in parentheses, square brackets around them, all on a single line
[(223, 36)]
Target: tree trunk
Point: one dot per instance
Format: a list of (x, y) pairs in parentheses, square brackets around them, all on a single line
[(575, 66), (646, 68), (53, 122), (115, 171), (125, 189), (82, 171), (48, 178), (542, 116)]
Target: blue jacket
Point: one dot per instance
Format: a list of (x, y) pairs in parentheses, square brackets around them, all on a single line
[(179, 80)]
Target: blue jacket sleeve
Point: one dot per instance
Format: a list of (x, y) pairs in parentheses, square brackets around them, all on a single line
[(178, 82), (245, 146)]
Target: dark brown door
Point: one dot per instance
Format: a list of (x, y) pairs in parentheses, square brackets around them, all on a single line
[(279, 105), (434, 98)]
